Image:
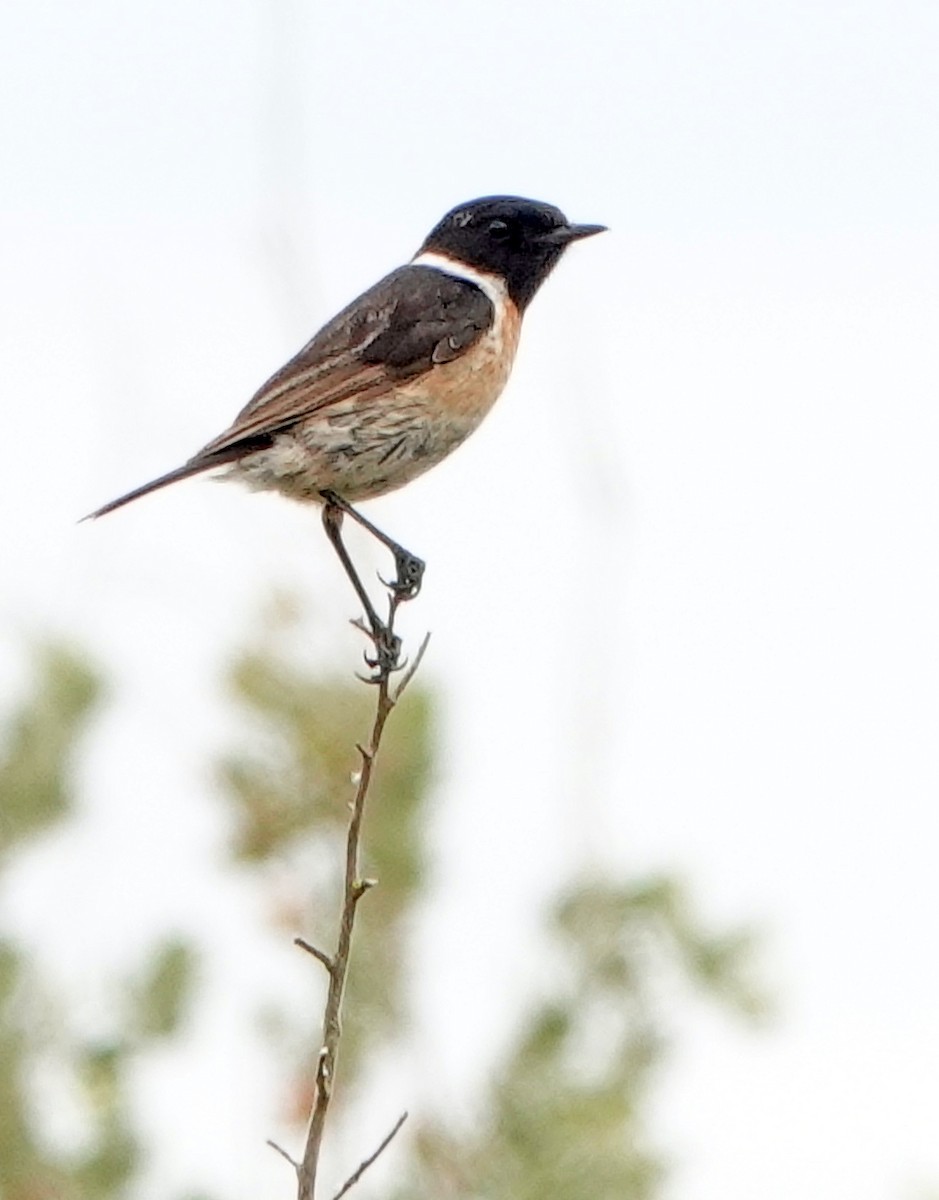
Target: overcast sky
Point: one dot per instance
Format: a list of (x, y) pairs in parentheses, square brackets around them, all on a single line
[(683, 583)]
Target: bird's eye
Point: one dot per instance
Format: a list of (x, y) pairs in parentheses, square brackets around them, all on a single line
[(498, 230)]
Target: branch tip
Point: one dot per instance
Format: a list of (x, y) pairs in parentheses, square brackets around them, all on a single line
[(366, 1163)]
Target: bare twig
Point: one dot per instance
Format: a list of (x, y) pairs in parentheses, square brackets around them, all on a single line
[(283, 1153), (364, 1166), (354, 888), (318, 954), (412, 669)]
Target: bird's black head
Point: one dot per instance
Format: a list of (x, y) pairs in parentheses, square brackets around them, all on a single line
[(519, 239)]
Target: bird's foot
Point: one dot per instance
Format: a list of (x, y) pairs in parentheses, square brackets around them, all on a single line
[(409, 574), (387, 657)]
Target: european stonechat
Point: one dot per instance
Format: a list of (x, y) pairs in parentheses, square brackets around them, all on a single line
[(399, 378)]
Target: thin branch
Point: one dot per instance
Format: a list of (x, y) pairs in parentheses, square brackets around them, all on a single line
[(283, 1153), (319, 955), (364, 1166), (412, 669), (354, 888)]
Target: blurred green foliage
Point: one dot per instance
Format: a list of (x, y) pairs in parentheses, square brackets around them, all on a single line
[(38, 738), (40, 741), (566, 1110), (159, 998)]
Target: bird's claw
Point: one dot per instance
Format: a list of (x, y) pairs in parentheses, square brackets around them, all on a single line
[(409, 571), (387, 657)]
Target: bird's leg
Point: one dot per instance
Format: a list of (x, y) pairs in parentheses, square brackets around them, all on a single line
[(387, 643), (408, 567)]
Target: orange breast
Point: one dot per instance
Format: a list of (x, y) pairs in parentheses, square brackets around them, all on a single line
[(466, 388)]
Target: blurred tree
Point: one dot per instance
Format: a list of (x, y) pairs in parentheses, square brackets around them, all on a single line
[(566, 1111), (38, 744), (40, 739)]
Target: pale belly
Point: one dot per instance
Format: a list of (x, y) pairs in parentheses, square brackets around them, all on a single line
[(364, 449)]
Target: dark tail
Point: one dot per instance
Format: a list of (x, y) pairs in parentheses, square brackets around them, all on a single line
[(183, 472), (203, 461)]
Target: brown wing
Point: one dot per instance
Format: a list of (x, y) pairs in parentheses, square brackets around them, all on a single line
[(411, 320)]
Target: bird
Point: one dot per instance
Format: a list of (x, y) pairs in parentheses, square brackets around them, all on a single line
[(397, 379)]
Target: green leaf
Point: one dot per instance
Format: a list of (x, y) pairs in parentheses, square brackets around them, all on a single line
[(165, 989), (38, 741)]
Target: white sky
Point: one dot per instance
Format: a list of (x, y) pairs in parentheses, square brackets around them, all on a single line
[(683, 583)]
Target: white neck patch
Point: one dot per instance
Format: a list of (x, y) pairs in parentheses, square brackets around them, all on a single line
[(489, 283)]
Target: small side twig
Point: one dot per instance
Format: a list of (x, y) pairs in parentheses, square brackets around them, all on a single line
[(366, 1163), (283, 1153), (319, 955), (412, 669)]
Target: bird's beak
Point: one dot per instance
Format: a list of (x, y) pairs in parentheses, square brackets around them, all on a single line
[(565, 234)]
